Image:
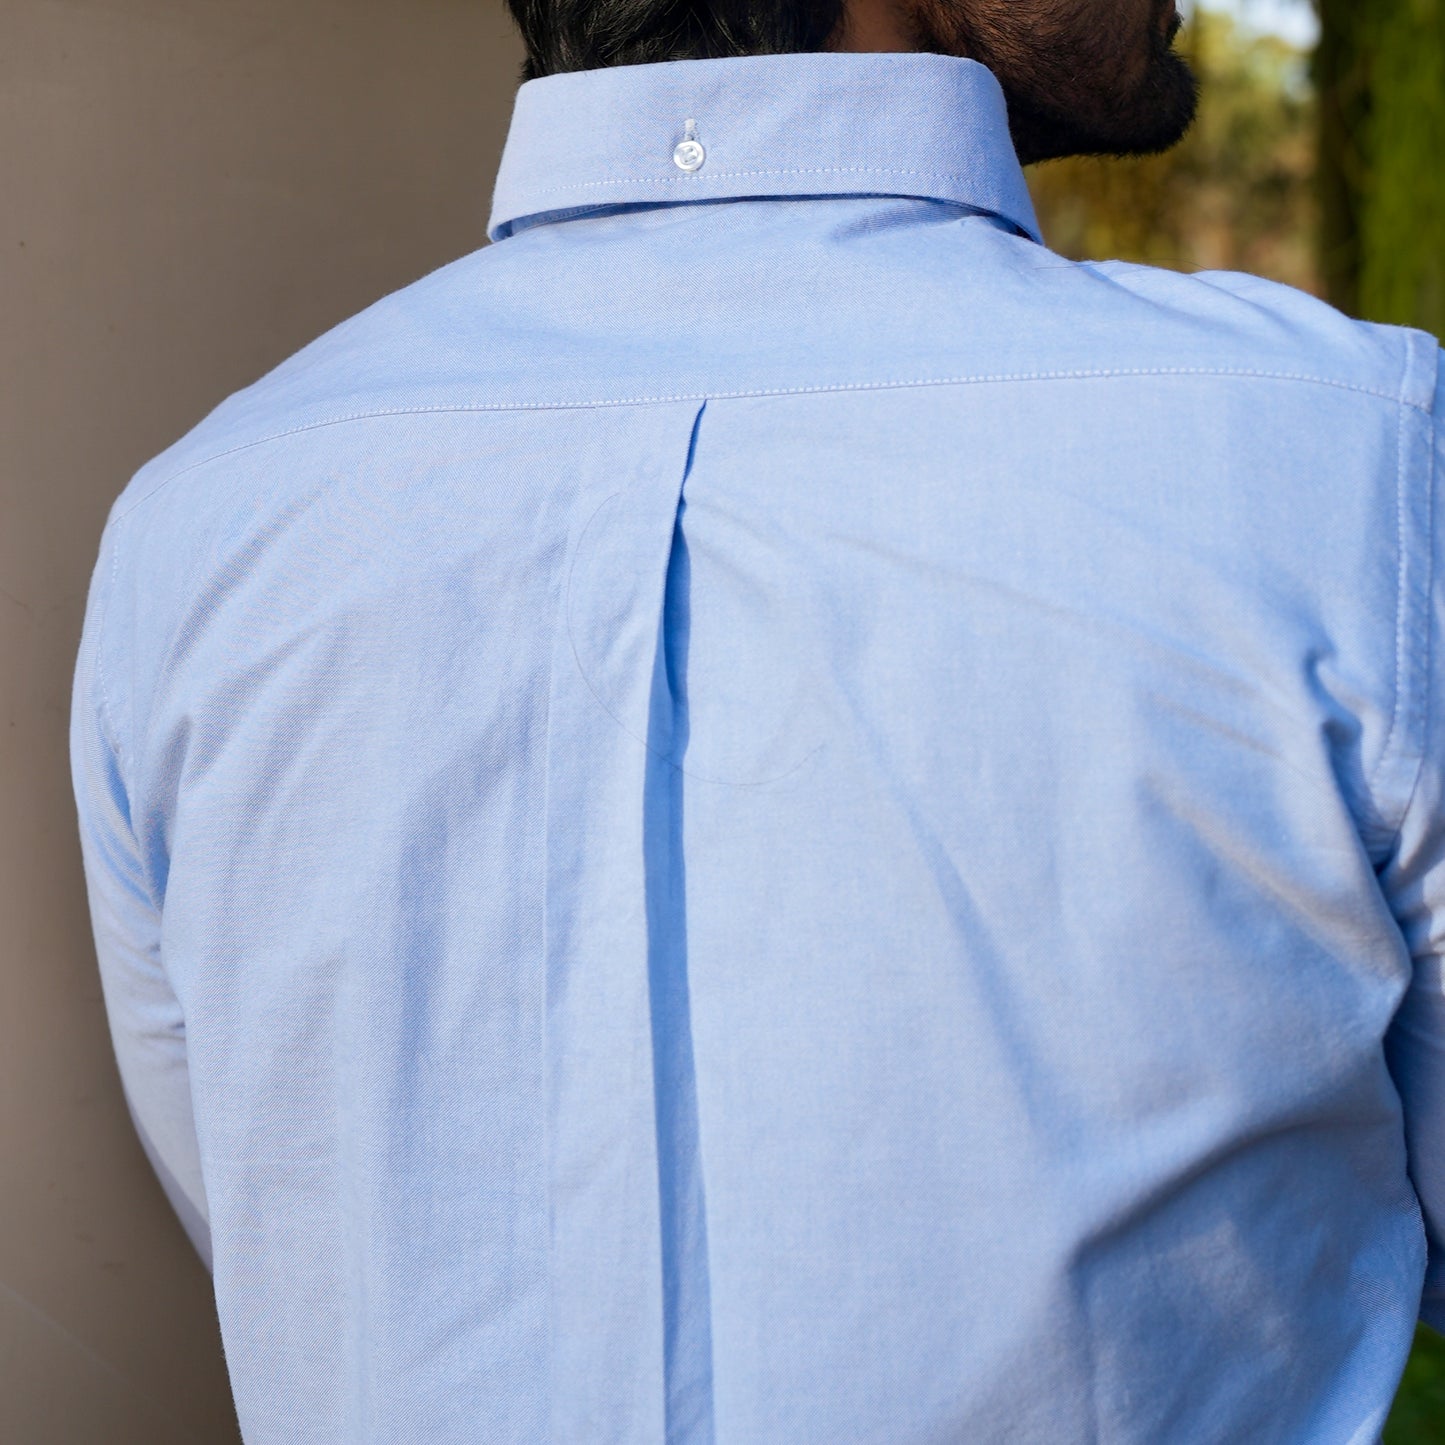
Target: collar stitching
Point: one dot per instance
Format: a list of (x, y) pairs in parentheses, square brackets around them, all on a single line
[(698, 178)]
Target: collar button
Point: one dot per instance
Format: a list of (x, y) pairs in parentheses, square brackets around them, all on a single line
[(689, 155)]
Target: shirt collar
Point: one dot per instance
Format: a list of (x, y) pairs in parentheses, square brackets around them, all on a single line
[(904, 123)]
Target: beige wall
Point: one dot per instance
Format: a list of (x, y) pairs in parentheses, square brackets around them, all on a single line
[(188, 192)]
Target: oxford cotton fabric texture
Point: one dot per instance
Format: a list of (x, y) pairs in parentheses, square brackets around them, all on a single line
[(765, 813)]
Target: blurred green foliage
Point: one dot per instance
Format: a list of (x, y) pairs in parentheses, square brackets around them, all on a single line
[(1325, 171), (1419, 1414), (1237, 193), (1380, 74), (1402, 225)]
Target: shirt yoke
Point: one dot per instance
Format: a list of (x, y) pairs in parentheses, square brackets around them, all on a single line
[(957, 303)]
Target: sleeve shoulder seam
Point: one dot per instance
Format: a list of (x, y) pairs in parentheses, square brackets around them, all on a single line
[(1412, 606), (104, 709)]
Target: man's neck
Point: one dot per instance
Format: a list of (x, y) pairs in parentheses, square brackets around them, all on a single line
[(873, 25)]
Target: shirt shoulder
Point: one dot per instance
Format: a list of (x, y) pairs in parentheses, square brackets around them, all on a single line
[(385, 359), (1234, 323), (530, 324)]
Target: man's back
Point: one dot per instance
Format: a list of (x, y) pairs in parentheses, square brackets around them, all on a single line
[(766, 813)]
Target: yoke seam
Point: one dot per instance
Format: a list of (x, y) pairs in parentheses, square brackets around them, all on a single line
[(807, 390)]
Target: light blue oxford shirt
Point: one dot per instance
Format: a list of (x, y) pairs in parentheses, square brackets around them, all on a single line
[(766, 813)]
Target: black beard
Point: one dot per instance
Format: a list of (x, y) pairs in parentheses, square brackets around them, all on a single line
[(1060, 102)]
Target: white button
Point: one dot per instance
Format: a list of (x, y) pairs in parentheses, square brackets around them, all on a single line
[(689, 155)]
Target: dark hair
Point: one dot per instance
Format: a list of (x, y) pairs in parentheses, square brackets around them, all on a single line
[(588, 34)]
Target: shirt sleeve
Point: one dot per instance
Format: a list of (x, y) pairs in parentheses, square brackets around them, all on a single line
[(147, 1027), (1415, 881)]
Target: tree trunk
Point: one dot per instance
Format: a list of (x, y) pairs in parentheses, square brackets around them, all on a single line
[(1341, 71), (1402, 237), (1379, 73)]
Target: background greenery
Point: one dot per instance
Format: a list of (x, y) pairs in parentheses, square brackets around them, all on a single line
[(1238, 193), (1323, 169), (1419, 1414)]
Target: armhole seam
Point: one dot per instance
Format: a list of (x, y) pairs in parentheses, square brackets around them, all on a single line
[(1412, 685), (104, 709)]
